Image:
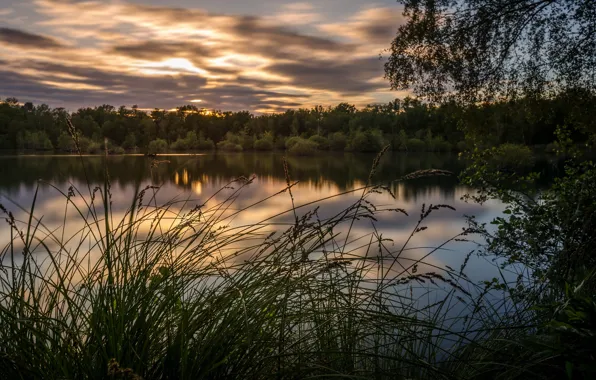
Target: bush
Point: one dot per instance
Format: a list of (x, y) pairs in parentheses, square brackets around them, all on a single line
[(66, 143), (290, 142), (322, 142), (157, 146), (416, 145), (36, 141), (365, 142), (179, 145), (440, 145), (337, 141), (229, 146), (248, 142), (205, 144), (303, 148), (280, 143), (264, 144), (192, 142), (94, 148), (511, 157), (118, 150)]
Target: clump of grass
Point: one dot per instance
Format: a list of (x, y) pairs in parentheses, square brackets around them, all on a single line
[(178, 290)]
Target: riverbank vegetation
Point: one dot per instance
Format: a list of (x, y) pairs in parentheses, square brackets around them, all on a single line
[(404, 125)]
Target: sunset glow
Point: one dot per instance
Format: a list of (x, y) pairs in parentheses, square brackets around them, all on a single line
[(226, 55)]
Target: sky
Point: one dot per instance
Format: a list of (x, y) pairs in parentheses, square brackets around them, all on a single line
[(257, 55)]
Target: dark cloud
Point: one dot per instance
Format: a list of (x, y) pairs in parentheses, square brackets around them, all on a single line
[(28, 40), (351, 77), (268, 36), (152, 50), (378, 32)]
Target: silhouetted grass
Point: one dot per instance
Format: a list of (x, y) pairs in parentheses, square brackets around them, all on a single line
[(180, 291)]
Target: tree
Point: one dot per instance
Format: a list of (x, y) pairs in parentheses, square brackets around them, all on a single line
[(478, 50)]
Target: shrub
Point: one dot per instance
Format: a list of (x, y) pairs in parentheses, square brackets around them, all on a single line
[(229, 146), (291, 141), (157, 146), (94, 148), (264, 144), (365, 142), (65, 143), (511, 157), (118, 150), (279, 143), (205, 144), (232, 143), (322, 142), (416, 145), (248, 142), (303, 148), (36, 141), (440, 145), (337, 141)]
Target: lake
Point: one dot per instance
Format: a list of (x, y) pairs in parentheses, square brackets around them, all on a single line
[(195, 178)]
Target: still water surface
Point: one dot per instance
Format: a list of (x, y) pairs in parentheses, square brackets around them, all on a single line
[(198, 177)]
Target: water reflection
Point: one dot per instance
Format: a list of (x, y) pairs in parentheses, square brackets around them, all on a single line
[(195, 178)]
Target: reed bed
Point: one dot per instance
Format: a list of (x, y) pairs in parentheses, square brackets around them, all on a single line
[(179, 291)]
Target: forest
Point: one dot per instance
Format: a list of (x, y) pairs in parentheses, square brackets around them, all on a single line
[(405, 124)]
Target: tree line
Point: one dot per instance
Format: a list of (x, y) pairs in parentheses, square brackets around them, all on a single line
[(406, 124)]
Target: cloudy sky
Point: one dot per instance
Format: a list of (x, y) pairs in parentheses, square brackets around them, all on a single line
[(260, 55)]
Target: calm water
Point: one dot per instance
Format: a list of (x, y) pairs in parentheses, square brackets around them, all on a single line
[(198, 177)]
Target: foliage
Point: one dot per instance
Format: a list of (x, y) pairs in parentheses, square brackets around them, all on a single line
[(232, 143), (525, 121), (337, 141), (158, 146), (416, 145), (192, 142), (511, 157), (303, 147), (365, 141), (322, 142), (265, 143), (478, 50)]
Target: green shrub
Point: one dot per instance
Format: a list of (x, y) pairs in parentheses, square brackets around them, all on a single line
[(303, 148), (416, 145), (94, 148), (264, 144), (291, 141), (248, 142), (512, 157), (157, 146), (279, 143), (229, 146), (205, 144), (322, 142), (118, 150), (366, 141), (36, 141), (337, 141), (66, 143)]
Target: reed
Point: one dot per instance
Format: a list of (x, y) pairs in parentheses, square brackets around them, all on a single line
[(180, 291)]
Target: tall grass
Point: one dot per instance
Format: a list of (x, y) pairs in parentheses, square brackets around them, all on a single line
[(180, 291)]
